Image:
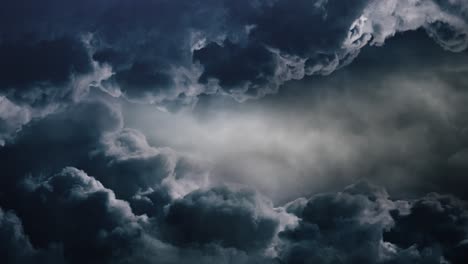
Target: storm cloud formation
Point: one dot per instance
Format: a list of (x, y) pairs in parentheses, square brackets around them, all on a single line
[(222, 131), (168, 50)]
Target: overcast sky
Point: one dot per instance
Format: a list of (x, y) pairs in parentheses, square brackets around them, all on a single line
[(232, 132)]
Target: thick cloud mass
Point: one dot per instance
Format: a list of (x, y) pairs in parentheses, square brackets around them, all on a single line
[(76, 210), (127, 136), (159, 51), (446, 232), (234, 218), (396, 116), (171, 52), (26, 65), (361, 225), (16, 247)]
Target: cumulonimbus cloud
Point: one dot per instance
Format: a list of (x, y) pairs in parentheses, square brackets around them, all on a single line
[(79, 185), (142, 204), (243, 48), (54, 52)]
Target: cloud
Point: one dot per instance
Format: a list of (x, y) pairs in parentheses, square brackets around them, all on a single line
[(395, 116), (363, 225), (41, 76), (57, 134), (248, 68), (16, 247), (436, 222), (238, 218), (90, 135), (243, 48), (44, 63), (72, 217), (12, 118), (76, 210), (345, 226), (103, 162), (317, 37)]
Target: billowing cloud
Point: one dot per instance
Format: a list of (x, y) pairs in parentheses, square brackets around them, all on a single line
[(362, 225), (127, 136), (76, 210), (162, 51), (292, 40), (54, 52), (12, 118), (16, 246), (446, 231), (395, 116), (233, 218)]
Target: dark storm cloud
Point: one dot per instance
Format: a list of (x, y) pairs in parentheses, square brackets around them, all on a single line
[(344, 227), (16, 247), (435, 221), (318, 37), (397, 116), (91, 136), (70, 216), (257, 66), (38, 77), (66, 137), (75, 210), (29, 64), (12, 117), (238, 218), (156, 36), (78, 218), (79, 185), (170, 52), (162, 51), (362, 225), (281, 29)]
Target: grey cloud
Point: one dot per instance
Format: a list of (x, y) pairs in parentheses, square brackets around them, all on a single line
[(308, 38), (238, 218), (437, 222), (12, 117), (39, 77), (91, 136), (157, 58), (26, 65), (123, 153), (86, 176), (344, 227), (71, 217), (16, 246), (258, 67), (65, 136), (126, 152), (363, 225), (244, 49), (395, 116), (76, 211)]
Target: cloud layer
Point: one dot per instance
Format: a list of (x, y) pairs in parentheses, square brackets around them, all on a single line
[(143, 204), (159, 51), (127, 136)]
